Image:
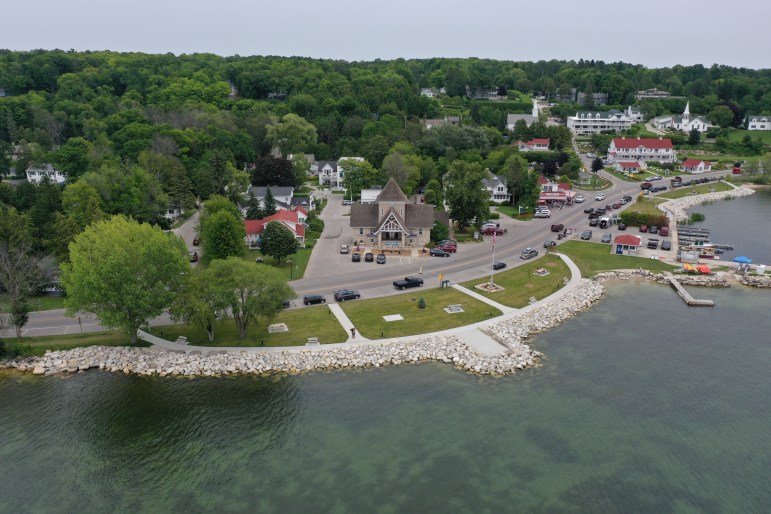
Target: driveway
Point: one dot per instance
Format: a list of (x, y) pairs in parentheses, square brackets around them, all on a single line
[(326, 253)]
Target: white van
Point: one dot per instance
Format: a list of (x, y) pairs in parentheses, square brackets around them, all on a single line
[(542, 213), (604, 222)]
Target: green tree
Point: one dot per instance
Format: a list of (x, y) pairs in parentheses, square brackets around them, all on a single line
[(21, 274), (72, 158), (15, 228), (694, 137), (223, 236), (179, 188), (439, 231), (358, 175), (465, 194), (218, 203), (721, 115), (253, 208), (268, 203), (125, 272), (293, 134), (403, 170), (597, 164), (199, 303), (81, 203), (278, 241), (250, 292)]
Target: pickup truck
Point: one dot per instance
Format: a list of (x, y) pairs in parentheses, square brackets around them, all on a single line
[(408, 282)]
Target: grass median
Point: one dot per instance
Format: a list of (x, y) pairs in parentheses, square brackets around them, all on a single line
[(302, 323), (367, 315), (521, 283), (701, 189), (39, 345), (592, 258)]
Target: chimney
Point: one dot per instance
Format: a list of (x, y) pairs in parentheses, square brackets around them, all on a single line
[(638, 138)]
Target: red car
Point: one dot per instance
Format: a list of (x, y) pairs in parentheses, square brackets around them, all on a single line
[(448, 247), (664, 230), (643, 228), (490, 231)]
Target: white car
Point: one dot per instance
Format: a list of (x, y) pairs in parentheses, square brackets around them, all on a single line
[(591, 155), (580, 198), (542, 214), (599, 197)]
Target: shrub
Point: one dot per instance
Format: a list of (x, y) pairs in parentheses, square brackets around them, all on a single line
[(494, 215), (422, 303)]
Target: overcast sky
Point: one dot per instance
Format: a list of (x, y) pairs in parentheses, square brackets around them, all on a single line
[(651, 32)]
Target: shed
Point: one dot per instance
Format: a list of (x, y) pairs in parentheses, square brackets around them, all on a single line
[(626, 244)]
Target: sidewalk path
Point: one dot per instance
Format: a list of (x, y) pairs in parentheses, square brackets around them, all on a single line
[(345, 322), (480, 342), (482, 298)]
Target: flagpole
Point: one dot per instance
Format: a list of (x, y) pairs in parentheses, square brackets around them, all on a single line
[(492, 270)]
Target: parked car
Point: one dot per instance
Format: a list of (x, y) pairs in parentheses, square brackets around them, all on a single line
[(558, 227), (664, 230), (605, 238), (549, 243), (579, 198), (499, 265), (443, 241), (528, 253), (653, 244), (622, 226), (347, 202), (655, 177), (342, 295), (438, 252), (542, 214), (617, 205), (586, 235), (369, 257), (599, 197), (381, 258), (196, 241), (408, 282), (488, 231), (312, 299), (193, 256), (653, 229), (355, 257), (643, 228), (448, 247), (627, 198), (589, 210), (593, 222), (344, 249), (666, 245)]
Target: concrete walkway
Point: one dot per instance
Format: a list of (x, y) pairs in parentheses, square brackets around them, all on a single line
[(470, 334), (346, 323), (483, 298)]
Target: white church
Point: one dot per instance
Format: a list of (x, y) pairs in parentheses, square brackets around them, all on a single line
[(684, 123)]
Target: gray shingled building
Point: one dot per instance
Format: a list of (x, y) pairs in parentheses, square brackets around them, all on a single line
[(392, 222)]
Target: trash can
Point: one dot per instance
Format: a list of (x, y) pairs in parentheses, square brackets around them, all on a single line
[(445, 283)]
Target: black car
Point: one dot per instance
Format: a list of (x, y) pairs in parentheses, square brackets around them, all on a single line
[(622, 226), (313, 299), (355, 257), (346, 294), (653, 244), (586, 235), (627, 198), (381, 258), (438, 252), (653, 229), (369, 257), (499, 265), (588, 210), (549, 243), (666, 245)]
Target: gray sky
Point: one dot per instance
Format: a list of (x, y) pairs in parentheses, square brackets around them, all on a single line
[(651, 32)]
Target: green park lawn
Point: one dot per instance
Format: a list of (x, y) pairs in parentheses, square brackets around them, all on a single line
[(38, 303), (592, 258), (701, 189), (299, 262), (39, 345), (367, 315), (521, 283), (763, 135), (646, 205), (303, 323)]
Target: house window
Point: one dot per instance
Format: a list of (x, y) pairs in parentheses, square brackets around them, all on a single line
[(420, 231), (361, 231), (371, 241)]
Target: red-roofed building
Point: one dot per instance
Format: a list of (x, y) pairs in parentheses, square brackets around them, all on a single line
[(534, 145), (696, 166), (293, 220), (554, 193), (639, 149), (630, 166), (626, 244)]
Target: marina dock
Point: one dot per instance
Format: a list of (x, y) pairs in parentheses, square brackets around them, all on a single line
[(686, 296)]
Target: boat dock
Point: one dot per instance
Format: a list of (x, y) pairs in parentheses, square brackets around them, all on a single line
[(686, 296)]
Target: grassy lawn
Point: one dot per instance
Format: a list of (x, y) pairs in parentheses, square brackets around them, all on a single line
[(39, 345), (513, 212), (592, 258), (646, 205), (521, 283), (303, 323), (299, 260), (763, 135), (367, 315), (39, 303), (700, 190), (626, 177)]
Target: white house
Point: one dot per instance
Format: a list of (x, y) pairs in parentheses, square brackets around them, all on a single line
[(758, 122), (512, 119), (496, 188), (594, 122), (428, 92), (282, 195), (328, 174), (696, 166), (684, 123), (630, 166), (637, 149), (534, 145), (634, 113), (36, 174), (652, 93)]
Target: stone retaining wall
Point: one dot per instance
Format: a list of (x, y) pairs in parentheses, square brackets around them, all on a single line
[(755, 280), (677, 208), (717, 280)]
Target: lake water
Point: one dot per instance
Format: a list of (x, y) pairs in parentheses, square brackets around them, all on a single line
[(641, 404), (744, 223)]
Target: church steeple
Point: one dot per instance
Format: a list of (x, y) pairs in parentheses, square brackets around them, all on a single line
[(687, 111)]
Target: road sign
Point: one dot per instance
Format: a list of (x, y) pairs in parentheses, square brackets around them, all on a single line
[(441, 276)]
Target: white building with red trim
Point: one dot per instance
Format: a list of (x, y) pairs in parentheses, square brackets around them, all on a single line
[(534, 145), (554, 193), (696, 166), (293, 220), (641, 149), (630, 166)]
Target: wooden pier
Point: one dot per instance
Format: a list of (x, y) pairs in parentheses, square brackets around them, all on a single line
[(686, 296)]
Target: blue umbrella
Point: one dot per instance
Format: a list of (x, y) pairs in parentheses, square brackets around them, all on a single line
[(742, 259)]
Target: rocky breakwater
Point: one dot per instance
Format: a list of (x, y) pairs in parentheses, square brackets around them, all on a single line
[(677, 208), (717, 280), (755, 280), (156, 361), (513, 330)]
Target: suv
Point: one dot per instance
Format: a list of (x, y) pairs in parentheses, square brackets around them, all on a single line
[(559, 227), (369, 257), (438, 252), (344, 249), (586, 235), (664, 230), (448, 247), (342, 295), (381, 258), (528, 253), (312, 299), (666, 245), (579, 198), (356, 257), (488, 231), (599, 197), (545, 213), (653, 243)]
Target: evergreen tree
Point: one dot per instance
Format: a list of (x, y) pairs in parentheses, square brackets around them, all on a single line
[(253, 208), (268, 204), (694, 137), (178, 188)]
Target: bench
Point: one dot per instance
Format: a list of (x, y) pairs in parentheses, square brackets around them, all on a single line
[(277, 327), (313, 341)]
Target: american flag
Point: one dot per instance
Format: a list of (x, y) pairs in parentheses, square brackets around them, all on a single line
[(493, 241)]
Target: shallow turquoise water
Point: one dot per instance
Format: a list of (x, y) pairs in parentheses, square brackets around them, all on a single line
[(641, 405)]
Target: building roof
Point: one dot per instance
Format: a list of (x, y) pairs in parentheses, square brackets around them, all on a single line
[(599, 115), (331, 164), (392, 193), (260, 191), (689, 163), (365, 215), (512, 119), (629, 164), (538, 141), (622, 142), (288, 218), (628, 240)]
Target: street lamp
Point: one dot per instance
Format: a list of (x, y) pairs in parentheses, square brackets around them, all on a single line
[(291, 266), (520, 210)]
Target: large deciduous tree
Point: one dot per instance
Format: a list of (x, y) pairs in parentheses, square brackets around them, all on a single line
[(465, 194), (293, 134), (125, 272), (278, 241), (249, 291), (721, 115), (21, 274), (358, 175), (223, 236)]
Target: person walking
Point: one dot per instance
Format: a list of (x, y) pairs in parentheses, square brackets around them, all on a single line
[(353, 332)]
